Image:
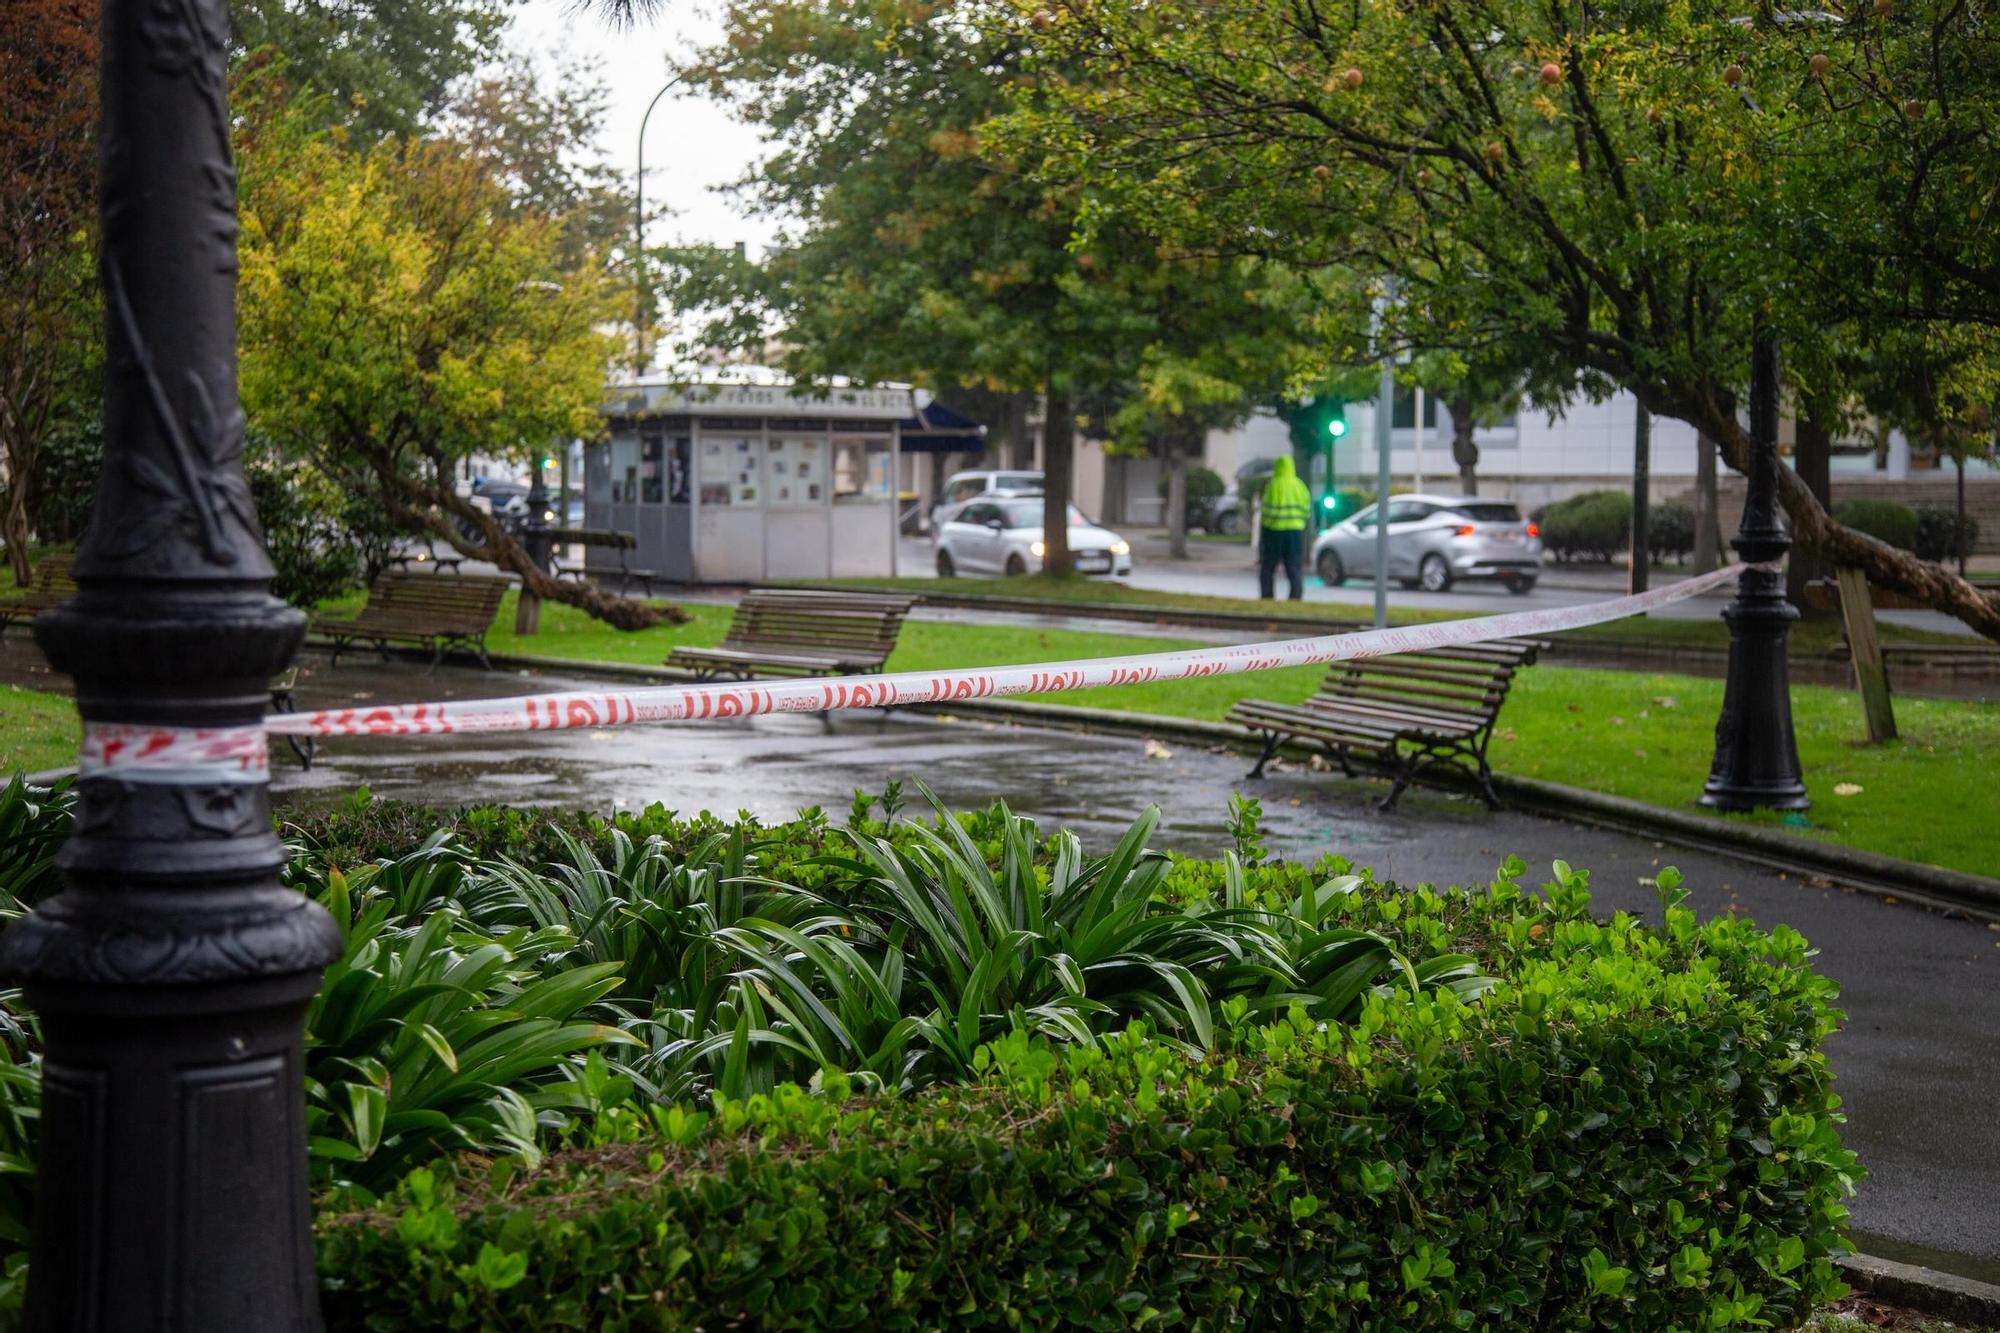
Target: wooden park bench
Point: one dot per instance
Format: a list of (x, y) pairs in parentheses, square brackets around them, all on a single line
[(1411, 711), (624, 543), (420, 610), (808, 633), (428, 557), (51, 587)]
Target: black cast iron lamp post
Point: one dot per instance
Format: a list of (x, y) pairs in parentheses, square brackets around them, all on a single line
[(172, 973), (1756, 756)]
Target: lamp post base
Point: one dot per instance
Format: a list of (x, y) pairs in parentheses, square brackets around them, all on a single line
[(1756, 763)]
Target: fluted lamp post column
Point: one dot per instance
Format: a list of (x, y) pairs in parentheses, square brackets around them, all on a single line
[(1756, 763), (171, 974)]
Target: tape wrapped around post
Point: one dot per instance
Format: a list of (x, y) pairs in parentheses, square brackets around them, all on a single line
[(140, 752), (695, 703)]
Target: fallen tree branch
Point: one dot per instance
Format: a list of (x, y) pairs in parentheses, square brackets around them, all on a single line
[(1818, 533), (428, 512)]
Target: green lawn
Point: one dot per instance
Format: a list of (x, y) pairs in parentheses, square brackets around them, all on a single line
[(1814, 636), (1648, 737), (37, 730)]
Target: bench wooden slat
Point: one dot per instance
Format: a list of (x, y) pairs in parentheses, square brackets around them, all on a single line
[(421, 609), (50, 586), (803, 633), (1414, 710)]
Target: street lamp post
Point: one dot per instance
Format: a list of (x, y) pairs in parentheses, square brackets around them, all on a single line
[(172, 973), (1756, 756), (639, 228)]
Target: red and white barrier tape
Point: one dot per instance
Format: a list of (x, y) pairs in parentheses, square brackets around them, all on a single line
[(137, 752), (691, 703)]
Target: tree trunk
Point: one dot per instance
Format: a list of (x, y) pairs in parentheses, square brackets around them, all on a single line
[(1020, 440), (14, 529), (1463, 451), (1058, 465), (1641, 556), (937, 489), (431, 507), (1177, 528), (1707, 507), (1712, 410), (1812, 459), (1958, 542)]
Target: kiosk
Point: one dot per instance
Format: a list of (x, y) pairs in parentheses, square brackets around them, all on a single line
[(739, 477)]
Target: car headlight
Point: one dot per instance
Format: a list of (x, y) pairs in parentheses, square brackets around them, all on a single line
[(1036, 549), (1121, 548)]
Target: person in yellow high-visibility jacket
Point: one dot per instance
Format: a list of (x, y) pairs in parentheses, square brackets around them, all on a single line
[(1287, 505)]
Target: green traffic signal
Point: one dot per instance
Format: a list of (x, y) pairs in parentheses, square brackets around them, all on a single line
[(1337, 427)]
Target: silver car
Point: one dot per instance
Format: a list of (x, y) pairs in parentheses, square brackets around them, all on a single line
[(965, 487), (1434, 542), (1005, 537)]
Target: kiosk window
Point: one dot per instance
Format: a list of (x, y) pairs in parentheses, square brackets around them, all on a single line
[(861, 470), (624, 470), (677, 471), (652, 469)]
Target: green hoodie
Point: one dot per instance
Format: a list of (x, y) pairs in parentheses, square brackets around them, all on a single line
[(1287, 503)]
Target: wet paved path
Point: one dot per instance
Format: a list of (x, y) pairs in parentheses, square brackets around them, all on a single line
[(1918, 1062)]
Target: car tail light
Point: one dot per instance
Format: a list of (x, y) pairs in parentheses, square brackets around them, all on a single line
[(1534, 529), (1467, 529)]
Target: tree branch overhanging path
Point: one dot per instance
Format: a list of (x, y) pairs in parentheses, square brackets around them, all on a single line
[(1606, 204)]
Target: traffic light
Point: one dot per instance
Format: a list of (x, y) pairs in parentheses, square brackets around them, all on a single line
[(1336, 418)]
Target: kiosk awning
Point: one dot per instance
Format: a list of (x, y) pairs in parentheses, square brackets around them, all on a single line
[(939, 430)]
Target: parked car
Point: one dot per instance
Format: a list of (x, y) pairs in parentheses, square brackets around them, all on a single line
[(964, 487), (1005, 537), (1232, 510), (1436, 541)]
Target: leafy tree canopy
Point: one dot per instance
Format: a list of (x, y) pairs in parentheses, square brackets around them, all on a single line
[(912, 249), (48, 112), (398, 313), (1607, 195), (382, 67)]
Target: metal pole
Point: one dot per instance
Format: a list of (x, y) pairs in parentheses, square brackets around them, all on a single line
[(1756, 756), (1385, 406), (172, 973), (639, 234), (1417, 461), (1642, 501)]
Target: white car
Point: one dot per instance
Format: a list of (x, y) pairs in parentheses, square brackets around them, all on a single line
[(964, 487), (1005, 537)]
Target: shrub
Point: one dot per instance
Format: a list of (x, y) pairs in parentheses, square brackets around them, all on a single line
[(1885, 520), (311, 550), (1595, 525), (1938, 533), (1204, 488), (65, 484), (952, 1070), (1670, 532), (1634, 1131)]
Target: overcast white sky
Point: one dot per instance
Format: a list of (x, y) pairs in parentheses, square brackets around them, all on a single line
[(691, 145)]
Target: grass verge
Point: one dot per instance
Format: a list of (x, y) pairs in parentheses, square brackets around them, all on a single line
[(1644, 736), (37, 730), (1809, 637)]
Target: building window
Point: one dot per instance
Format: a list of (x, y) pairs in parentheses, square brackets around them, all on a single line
[(1404, 415), (597, 474), (624, 470), (795, 470), (861, 470), (652, 469), (677, 471)]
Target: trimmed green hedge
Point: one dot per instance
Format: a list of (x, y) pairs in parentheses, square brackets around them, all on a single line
[(1595, 525), (1635, 1130), (1887, 520)]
